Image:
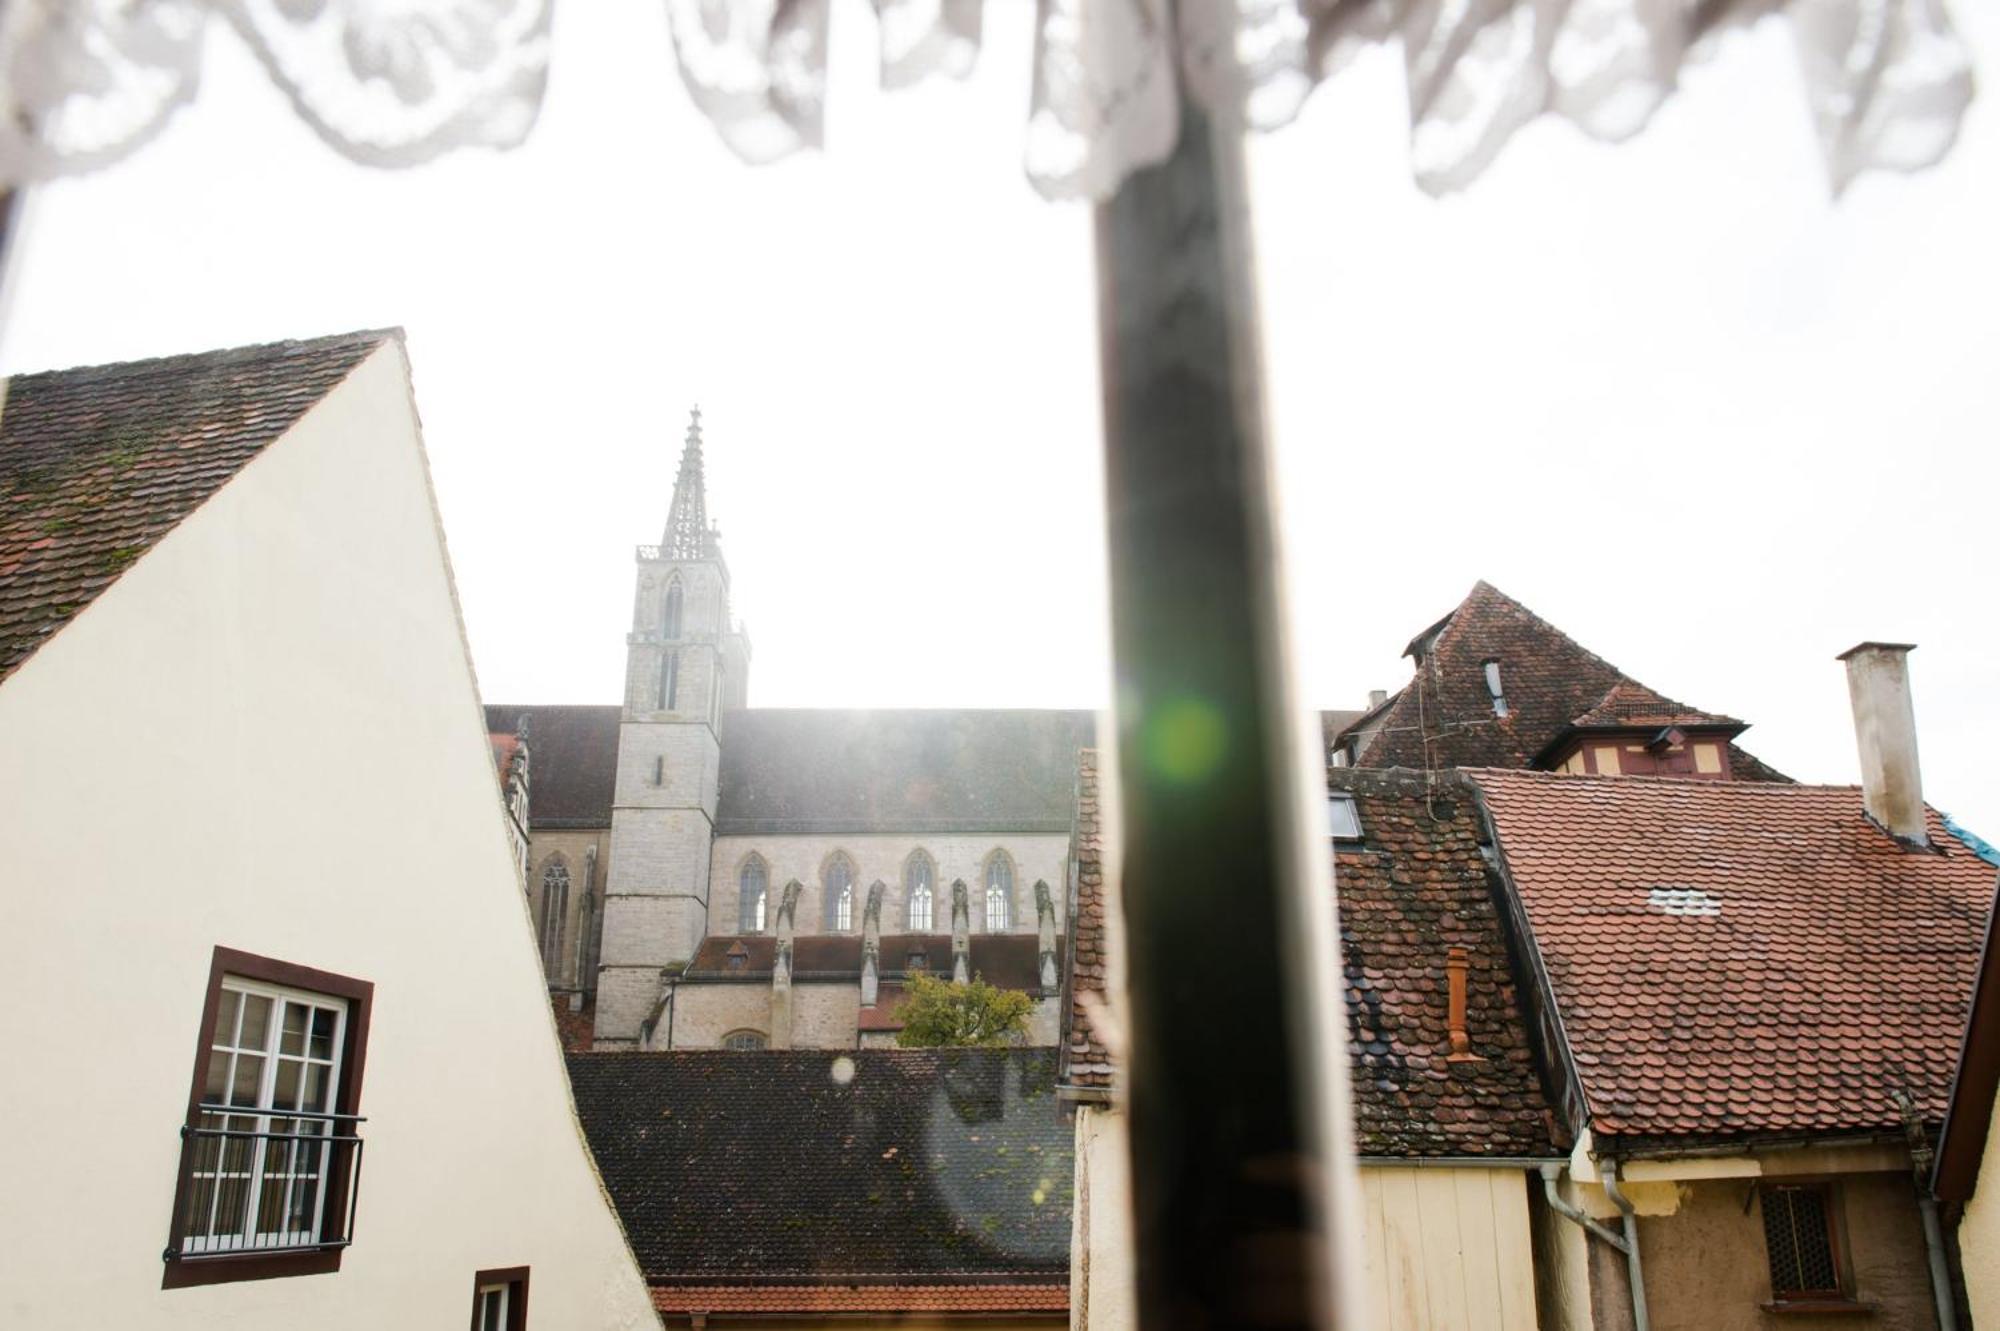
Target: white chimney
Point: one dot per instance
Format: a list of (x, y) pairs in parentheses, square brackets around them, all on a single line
[(1885, 731), (1376, 697)]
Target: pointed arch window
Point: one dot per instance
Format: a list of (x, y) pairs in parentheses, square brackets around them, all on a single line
[(670, 680), (839, 894), (753, 892), (670, 611), (999, 893), (919, 882), (555, 911)]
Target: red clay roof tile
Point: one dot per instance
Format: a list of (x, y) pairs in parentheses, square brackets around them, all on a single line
[(1445, 716), (1742, 960)]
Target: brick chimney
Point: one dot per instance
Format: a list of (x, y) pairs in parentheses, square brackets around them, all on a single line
[(1885, 731)]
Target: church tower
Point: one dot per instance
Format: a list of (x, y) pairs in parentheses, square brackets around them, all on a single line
[(684, 664)]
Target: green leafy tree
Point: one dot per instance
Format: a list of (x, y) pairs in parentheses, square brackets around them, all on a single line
[(937, 1013)]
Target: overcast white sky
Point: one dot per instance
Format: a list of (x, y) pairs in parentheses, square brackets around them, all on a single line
[(1668, 395)]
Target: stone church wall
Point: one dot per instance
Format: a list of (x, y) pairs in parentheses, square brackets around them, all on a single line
[(1043, 856), (704, 1013), (573, 847)]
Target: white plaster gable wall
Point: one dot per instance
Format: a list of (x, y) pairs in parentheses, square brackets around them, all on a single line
[(188, 764), (1036, 855)]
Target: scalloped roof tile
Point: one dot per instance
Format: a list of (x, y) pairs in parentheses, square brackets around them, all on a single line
[(1444, 717), (1742, 960)]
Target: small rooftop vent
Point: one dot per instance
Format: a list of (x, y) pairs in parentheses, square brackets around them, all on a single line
[(1684, 901)]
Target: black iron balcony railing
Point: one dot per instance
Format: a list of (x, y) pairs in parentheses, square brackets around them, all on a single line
[(265, 1182)]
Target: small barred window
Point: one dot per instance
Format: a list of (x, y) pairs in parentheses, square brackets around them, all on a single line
[(743, 1040), (1798, 1234)]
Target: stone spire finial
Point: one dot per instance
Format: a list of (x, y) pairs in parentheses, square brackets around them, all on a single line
[(1045, 929), (961, 932), (871, 945), (781, 967), (688, 535)]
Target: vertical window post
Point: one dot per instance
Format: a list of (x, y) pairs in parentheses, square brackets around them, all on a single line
[(1222, 840)]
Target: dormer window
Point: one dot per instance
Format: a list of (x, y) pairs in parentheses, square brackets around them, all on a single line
[(1493, 687), (1343, 819)]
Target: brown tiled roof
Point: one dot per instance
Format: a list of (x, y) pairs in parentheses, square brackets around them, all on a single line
[(1415, 887), (1630, 704), (795, 1300), (1009, 961), (97, 464), (1444, 717), (1086, 1060), (907, 1166), (575, 754), (1740, 960), (787, 770), (887, 1014)]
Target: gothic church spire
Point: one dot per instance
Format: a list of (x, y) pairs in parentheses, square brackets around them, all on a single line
[(688, 535)]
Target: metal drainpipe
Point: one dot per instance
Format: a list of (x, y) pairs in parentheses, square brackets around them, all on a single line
[(1562, 1208), (1922, 1158), (1947, 1306), (1637, 1277)]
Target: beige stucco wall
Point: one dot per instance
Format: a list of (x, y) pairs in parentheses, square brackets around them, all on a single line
[(187, 764), (1036, 856), (1706, 1267), (1979, 1239)]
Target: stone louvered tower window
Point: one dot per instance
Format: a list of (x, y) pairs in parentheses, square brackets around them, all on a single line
[(685, 664)]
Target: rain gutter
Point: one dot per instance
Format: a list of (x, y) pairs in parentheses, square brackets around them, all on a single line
[(1608, 1175), (1550, 1173)]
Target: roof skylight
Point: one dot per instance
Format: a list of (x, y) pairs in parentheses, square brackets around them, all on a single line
[(1684, 901), (1343, 819)]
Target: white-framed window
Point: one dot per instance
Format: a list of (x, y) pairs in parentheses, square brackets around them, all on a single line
[(264, 1126), (744, 1040), (919, 881), (490, 1314), (999, 892), (500, 1300)]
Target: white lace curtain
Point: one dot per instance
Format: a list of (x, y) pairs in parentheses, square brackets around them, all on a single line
[(396, 82)]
